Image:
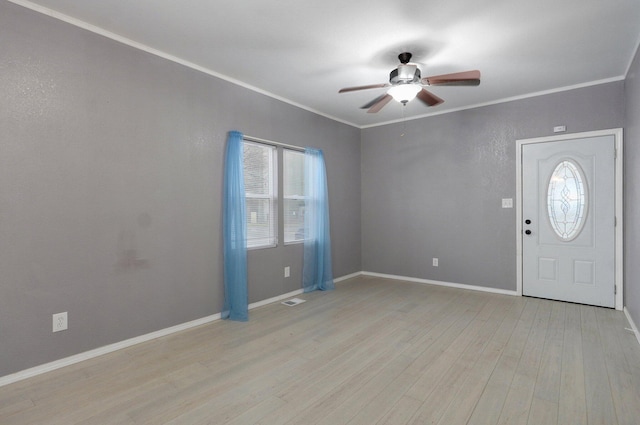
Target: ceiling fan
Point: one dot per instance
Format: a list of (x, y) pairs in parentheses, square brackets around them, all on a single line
[(406, 83)]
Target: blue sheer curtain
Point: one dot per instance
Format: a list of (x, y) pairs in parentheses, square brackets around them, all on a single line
[(316, 271), (234, 229)]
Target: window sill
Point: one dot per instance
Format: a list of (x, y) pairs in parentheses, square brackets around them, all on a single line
[(300, 242), (254, 248)]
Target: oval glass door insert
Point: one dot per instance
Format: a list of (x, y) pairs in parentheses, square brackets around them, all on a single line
[(567, 200)]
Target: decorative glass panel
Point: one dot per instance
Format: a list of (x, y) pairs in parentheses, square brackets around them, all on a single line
[(567, 200)]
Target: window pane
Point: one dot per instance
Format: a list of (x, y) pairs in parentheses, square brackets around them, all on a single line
[(293, 187), (258, 164), (259, 180), (566, 200), (293, 173), (259, 222), (293, 220)]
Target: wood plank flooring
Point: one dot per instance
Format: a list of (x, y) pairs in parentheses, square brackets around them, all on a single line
[(374, 351)]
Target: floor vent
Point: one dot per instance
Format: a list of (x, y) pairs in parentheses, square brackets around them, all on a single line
[(293, 301)]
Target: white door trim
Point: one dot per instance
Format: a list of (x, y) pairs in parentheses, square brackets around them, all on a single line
[(617, 133)]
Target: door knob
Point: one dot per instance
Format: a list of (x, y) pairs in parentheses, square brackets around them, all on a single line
[(528, 232), (527, 221)]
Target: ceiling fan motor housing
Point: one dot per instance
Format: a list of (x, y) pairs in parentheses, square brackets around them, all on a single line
[(405, 74)]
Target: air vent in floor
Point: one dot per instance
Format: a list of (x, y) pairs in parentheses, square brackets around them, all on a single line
[(293, 301)]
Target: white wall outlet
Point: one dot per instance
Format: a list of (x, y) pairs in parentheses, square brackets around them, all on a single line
[(287, 271), (435, 262), (60, 322), (507, 202), (559, 128)]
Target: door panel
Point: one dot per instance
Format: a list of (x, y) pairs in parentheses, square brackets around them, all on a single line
[(568, 212)]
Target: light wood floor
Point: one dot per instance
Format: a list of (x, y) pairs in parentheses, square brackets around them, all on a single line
[(373, 351)]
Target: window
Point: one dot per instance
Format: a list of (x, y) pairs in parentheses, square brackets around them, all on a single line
[(294, 202), (259, 182), (567, 200)]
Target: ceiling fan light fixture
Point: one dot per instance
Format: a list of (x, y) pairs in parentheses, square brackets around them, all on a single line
[(406, 83), (404, 93)]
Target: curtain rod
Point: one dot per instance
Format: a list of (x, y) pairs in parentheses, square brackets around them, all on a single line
[(271, 142)]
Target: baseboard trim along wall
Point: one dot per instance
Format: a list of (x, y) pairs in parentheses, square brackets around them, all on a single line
[(634, 328), (440, 283), (77, 358), (349, 276)]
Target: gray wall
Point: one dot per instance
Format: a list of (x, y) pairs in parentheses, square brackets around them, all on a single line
[(632, 190), (436, 190), (111, 178), (110, 189)]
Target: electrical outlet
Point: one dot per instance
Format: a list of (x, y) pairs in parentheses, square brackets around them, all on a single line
[(287, 271), (435, 262), (507, 202), (60, 322)]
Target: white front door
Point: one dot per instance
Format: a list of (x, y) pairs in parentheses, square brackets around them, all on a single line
[(568, 220)]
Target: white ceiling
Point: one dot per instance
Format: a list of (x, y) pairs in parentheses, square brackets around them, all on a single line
[(304, 51)]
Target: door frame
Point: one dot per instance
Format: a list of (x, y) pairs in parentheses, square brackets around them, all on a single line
[(617, 134)]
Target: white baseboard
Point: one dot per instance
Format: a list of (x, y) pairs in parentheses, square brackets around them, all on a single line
[(634, 328), (440, 283), (77, 358), (275, 299), (349, 276), (296, 292), (67, 361)]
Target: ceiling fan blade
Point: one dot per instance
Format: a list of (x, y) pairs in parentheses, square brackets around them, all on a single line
[(371, 86), (429, 98), (373, 102), (381, 101), (465, 78)]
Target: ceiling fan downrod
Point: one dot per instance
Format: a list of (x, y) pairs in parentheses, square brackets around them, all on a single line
[(404, 57)]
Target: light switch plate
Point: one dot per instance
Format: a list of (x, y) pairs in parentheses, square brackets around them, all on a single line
[(507, 202)]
